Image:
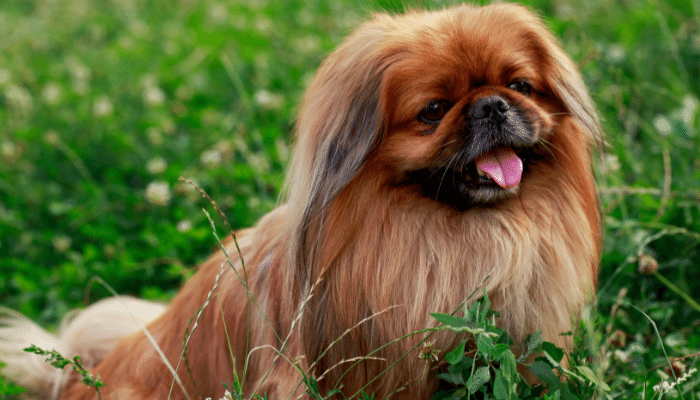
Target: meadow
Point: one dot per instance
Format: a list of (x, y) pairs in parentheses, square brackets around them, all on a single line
[(105, 104)]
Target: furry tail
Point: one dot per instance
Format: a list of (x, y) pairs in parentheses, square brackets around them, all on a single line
[(90, 334)]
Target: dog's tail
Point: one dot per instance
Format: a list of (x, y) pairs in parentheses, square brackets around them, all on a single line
[(90, 334)]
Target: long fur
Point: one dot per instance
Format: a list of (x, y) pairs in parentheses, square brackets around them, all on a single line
[(354, 260)]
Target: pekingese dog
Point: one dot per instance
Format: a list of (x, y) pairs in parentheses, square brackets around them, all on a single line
[(434, 150)]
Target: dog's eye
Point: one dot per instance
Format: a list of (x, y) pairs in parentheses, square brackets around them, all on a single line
[(434, 111), (522, 87)]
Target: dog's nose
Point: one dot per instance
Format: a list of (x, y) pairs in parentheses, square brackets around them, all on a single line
[(492, 107)]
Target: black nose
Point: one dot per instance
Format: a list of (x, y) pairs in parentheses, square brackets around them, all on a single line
[(492, 107)]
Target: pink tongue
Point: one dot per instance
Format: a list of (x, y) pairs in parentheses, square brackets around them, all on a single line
[(502, 165)]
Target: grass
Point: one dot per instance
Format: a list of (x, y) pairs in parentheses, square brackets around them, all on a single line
[(103, 105)]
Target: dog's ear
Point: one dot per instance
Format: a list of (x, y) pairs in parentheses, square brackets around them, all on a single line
[(340, 124), (570, 90), (562, 74), (567, 85), (341, 119)]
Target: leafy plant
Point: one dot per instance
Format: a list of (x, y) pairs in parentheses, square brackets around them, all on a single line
[(485, 365), (57, 360)]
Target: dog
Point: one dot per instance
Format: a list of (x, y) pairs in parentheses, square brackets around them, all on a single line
[(435, 150)]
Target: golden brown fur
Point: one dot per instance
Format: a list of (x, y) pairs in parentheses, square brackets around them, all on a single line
[(360, 235)]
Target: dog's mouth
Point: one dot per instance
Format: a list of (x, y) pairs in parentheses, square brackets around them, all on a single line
[(500, 166), (487, 178)]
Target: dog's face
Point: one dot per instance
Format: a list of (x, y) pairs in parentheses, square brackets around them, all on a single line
[(460, 109), (470, 106)]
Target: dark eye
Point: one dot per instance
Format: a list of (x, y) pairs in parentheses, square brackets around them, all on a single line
[(433, 112), (522, 87)]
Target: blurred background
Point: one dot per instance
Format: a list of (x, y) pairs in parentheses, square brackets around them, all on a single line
[(105, 104)]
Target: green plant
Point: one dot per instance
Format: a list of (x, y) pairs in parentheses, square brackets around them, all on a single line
[(8, 390), (484, 364), (57, 360)]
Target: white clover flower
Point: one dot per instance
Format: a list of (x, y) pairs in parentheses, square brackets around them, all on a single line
[(153, 96), (218, 12), (305, 17), (81, 75), (253, 202), (156, 165), (263, 25), (20, 98), (268, 100), (52, 138), (210, 158), (663, 125), (103, 107), (664, 386), (8, 150), (616, 54), (611, 162), (61, 243), (52, 93), (690, 106), (307, 44), (184, 225), (158, 193)]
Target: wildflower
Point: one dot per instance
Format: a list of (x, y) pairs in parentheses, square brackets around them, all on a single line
[(664, 386), (227, 396), (184, 225), (263, 25), (103, 107), (9, 151), (52, 94), (153, 96), (307, 44), (428, 352), (610, 162), (618, 338), (663, 125), (61, 243), (677, 368), (19, 98), (81, 76), (616, 54), (156, 165), (218, 12), (690, 106), (305, 17), (51, 137), (269, 100), (158, 193), (647, 264), (211, 158)]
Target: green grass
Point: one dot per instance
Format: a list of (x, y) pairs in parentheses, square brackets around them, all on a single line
[(100, 99)]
